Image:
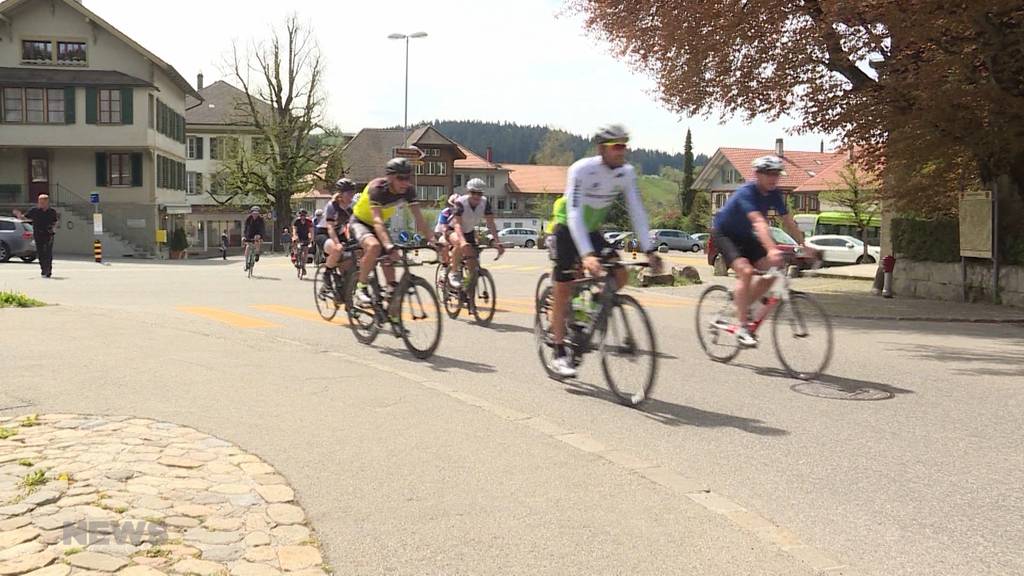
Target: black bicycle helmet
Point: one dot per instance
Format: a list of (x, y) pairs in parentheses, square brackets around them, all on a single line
[(398, 166), (345, 185)]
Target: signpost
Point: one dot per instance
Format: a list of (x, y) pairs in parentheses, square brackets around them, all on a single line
[(978, 233)]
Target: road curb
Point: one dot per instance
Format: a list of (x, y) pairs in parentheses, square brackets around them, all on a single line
[(948, 320)]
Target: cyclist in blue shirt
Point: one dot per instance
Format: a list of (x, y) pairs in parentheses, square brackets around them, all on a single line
[(744, 238)]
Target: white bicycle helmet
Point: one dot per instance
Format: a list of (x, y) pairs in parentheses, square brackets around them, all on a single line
[(611, 133), (768, 164), (475, 185)]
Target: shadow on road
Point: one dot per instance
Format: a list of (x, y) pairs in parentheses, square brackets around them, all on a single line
[(833, 387), (439, 363), (509, 328), (258, 277), (678, 415), (1009, 364)]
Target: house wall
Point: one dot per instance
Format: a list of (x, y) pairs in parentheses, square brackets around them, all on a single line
[(207, 166), (944, 281)]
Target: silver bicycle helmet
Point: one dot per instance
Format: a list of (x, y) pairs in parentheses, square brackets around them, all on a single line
[(475, 185), (768, 164), (611, 133)]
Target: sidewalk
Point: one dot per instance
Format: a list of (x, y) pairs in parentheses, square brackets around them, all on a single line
[(855, 271)]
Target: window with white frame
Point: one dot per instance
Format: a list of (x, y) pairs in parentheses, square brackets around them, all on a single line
[(490, 180), (192, 148), (432, 169), (194, 183), (458, 180), (430, 193), (431, 152)]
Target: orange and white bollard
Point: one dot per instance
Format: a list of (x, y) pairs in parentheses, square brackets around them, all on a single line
[(97, 250)]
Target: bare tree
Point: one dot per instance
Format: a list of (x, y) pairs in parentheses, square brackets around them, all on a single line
[(858, 195), (282, 78)]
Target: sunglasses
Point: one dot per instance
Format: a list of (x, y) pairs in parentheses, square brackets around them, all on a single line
[(404, 178), (615, 145), (477, 192)]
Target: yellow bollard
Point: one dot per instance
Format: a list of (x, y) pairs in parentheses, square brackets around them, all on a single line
[(97, 250)]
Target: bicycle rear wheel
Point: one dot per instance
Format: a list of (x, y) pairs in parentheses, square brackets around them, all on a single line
[(251, 260), (326, 304), (803, 336), (361, 317), (629, 351), (716, 319), (542, 282), (420, 320), (452, 299), (485, 300)]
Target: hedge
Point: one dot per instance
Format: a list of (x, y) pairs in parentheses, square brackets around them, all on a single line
[(936, 240)]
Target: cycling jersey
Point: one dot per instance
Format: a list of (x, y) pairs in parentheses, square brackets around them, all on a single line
[(558, 207), (254, 226), (471, 216), (336, 216), (733, 220), (377, 194), (591, 190), (443, 218), (302, 226)]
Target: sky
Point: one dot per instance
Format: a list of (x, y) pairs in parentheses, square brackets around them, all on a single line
[(523, 61)]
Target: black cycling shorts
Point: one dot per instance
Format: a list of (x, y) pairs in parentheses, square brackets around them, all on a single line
[(731, 248), (567, 256)]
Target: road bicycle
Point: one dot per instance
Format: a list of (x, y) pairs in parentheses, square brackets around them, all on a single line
[(614, 324), (343, 277), (299, 254), (801, 327), (251, 258), (477, 293), (411, 309)]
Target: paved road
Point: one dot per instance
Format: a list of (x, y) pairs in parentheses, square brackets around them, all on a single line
[(905, 460)]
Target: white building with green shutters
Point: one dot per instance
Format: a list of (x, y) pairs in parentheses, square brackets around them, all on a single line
[(86, 110)]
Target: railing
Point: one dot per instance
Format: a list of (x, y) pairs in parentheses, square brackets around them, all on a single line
[(132, 222)]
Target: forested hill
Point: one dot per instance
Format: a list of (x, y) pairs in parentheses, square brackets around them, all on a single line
[(515, 144)]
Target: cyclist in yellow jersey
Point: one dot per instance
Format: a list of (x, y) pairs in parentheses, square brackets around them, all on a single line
[(376, 205)]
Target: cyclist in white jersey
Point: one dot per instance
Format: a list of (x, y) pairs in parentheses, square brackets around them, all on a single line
[(470, 209), (594, 184)]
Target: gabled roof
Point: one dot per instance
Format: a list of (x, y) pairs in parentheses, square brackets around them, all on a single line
[(799, 166), (367, 153), (472, 161), (831, 178), (179, 81), (67, 77), (536, 179), (221, 106)]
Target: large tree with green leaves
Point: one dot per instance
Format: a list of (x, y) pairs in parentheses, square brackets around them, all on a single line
[(687, 186), (555, 149), (933, 87), (282, 79)]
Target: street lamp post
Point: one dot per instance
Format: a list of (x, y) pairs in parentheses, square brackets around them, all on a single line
[(407, 37)]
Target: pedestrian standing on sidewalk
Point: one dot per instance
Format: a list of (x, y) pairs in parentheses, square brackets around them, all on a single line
[(224, 245), (44, 221)]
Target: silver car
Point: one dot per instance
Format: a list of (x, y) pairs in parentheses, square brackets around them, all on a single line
[(16, 240), (524, 237), (674, 240)]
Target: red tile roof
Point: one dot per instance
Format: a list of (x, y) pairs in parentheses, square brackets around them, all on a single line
[(473, 161), (831, 177), (536, 179), (800, 166)]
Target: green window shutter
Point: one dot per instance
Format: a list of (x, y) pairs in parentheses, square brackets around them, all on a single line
[(160, 171), (91, 104), (199, 147), (101, 169), (136, 169), (69, 105), (127, 108)]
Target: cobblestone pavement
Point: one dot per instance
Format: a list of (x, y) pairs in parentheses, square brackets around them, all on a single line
[(93, 496)]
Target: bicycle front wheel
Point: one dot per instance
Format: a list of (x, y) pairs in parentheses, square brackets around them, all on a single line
[(629, 351), (803, 336), (716, 324), (543, 282), (420, 320), (485, 300), (326, 304)]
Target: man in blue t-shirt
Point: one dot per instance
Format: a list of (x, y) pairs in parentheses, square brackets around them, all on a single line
[(744, 238)]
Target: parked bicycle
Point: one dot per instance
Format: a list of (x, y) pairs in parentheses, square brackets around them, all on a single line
[(411, 309), (801, 328), (477, 293), (614, 324)]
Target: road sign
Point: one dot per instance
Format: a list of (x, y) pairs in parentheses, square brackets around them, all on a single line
[(410, 153), (94, 198), (97, 224)]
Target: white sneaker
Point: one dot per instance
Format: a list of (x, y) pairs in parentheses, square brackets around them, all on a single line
[(563, 367), (455, 280), (363, 296), (745, 338)]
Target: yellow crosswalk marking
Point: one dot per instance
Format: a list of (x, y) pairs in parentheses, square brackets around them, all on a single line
[(298, 312), (501, 267), (229, 318)]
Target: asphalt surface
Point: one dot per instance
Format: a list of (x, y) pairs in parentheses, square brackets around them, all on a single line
[(905, 459)]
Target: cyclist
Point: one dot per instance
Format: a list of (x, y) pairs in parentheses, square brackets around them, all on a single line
[(469, 211), (441, 229), (336, 217), (740, 231), (593, 185), (253, 232), (302, 233), (377, 203)]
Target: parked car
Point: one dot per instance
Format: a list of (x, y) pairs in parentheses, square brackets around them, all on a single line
[(837, 249), (617, 240), (702, 237), (674, 240), (525, 237), (784, 241), (16, 240)]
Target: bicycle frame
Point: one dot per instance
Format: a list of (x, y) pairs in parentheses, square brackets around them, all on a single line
[(383, 314)]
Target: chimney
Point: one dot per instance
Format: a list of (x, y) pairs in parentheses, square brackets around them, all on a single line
[(199, 81), (490, 154), (778, 147)]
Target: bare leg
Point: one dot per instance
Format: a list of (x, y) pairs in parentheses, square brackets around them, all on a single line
[(744, 274), (371, 251), (563, 292)]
